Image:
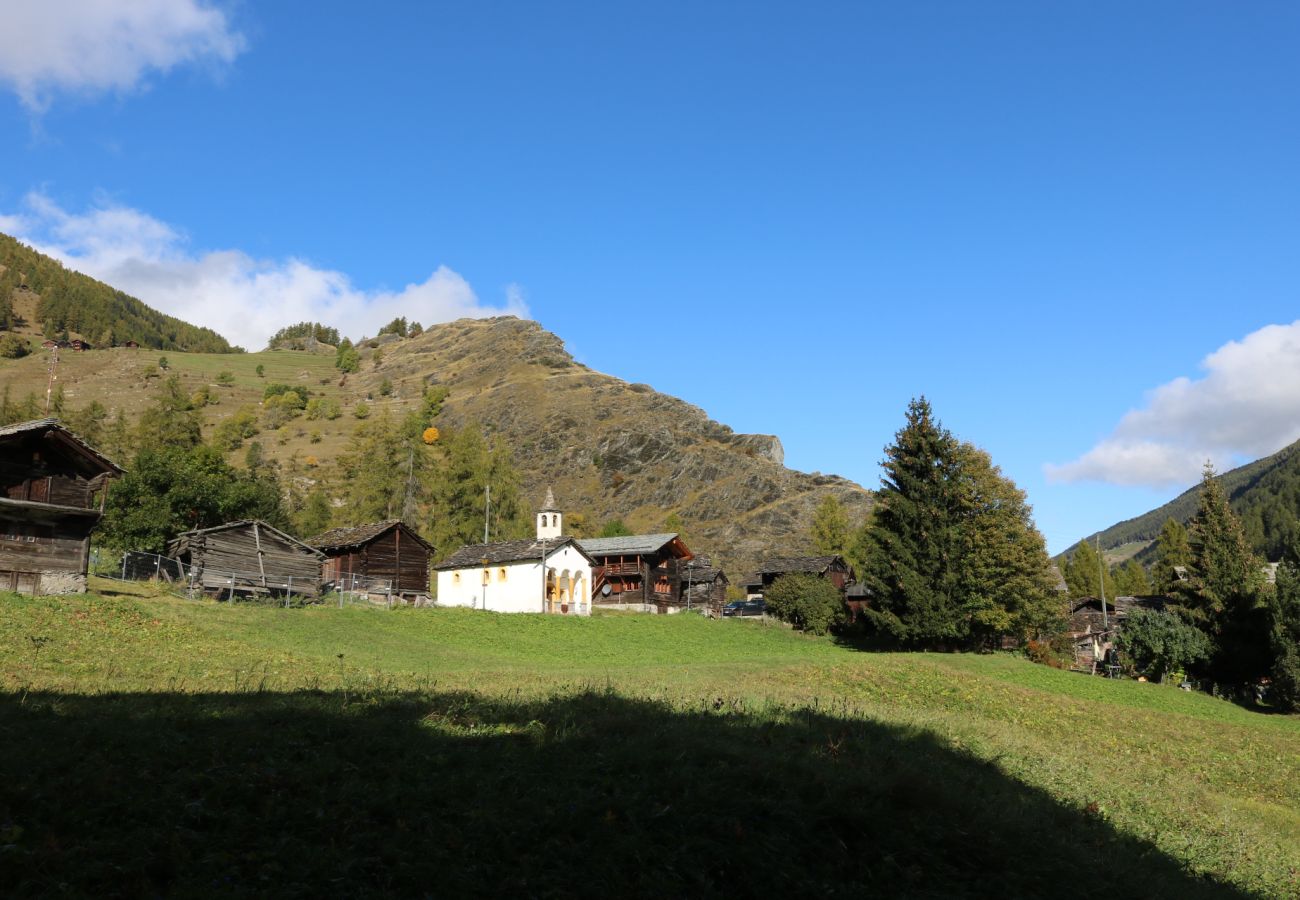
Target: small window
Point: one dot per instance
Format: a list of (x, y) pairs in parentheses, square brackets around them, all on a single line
[(455, 578), (501, 574)]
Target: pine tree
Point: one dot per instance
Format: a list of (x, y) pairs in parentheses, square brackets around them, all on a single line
[(1284, 635), (1173, 552), (914, 543), (1224, 593), (830, 528)]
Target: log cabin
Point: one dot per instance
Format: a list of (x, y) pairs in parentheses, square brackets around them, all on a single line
[(704, 586), (833, 568), (52, 491), (377, 557), (639, 570), (248, 558)]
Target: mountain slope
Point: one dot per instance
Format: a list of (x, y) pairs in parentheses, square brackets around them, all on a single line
[(609, 449), (1265, 493), (50, 299)]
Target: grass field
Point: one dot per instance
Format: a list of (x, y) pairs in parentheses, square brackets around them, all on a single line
[(150, 745)]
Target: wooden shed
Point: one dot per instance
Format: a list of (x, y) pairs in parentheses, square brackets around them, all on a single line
[(833, 568), (375, 556), (52, 490), (248, 558)]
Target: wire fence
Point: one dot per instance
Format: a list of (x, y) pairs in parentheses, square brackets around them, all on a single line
[(193, 583)]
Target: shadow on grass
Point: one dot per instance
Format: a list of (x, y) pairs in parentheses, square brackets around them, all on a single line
[(588, 794)]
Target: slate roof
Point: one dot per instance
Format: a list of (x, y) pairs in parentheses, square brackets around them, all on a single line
[(856, 590), (471, 556), (629, 544), (69, 438), (812, 565), (356, 535)]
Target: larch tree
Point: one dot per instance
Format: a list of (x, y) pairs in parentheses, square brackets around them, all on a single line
[(1086, 574), (1006, 585), (1173, 552), (830, 528)]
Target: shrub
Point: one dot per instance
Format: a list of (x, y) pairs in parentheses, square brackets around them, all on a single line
[(1160, 642), (361, 410), (807, 602), (226, 378)]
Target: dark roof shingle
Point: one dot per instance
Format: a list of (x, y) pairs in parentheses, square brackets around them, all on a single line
[(505, 552)]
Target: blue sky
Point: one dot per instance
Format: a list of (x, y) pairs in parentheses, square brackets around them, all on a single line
[(1073, 226)]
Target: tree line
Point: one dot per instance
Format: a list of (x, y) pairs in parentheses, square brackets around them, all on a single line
[(105, 316)]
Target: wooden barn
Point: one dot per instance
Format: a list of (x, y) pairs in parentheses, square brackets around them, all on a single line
[(52, 491), (371, 557), (643, 570), (833, 568), (703, 585), (248, 558)]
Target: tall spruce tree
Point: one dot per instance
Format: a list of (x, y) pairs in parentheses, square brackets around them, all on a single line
[(913, 547), (1224, 594), (1284, 635)]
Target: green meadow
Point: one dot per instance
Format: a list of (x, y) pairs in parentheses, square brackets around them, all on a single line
[(151, 745)]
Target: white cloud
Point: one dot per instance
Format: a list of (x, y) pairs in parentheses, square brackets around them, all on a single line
[(243, 298), (1246, 406), (92, 46)]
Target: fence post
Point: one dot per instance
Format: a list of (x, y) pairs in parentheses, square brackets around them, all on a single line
[(390, 596), (157, 566), (124, 552), (288, 594), (230, 598)]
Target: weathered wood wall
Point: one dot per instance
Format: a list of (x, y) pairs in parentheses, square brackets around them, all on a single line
[(218, 557)]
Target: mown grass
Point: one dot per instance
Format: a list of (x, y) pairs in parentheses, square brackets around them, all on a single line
[(153, 745)]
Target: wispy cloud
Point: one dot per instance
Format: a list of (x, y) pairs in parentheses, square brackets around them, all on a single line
[(244, 298), (93, 46), (1246, 406)]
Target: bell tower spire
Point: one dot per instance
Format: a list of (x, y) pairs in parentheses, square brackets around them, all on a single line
[(550, 521)]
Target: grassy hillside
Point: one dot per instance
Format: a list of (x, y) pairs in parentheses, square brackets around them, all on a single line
[(154, 745), (1264, 493), (608, 448), (50, 299)]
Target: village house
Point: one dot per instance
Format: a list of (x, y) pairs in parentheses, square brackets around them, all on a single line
[(248, 558), (641, 571), (547, 574), (1093, 632), (382, 557), (833, 568), (52, 491)]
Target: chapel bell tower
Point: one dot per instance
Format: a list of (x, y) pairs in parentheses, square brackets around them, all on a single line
[(550, 521)]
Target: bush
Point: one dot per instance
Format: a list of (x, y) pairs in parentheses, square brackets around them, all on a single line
[(807, 602), (1161, 642), (361, 410), (13, 347), (225, 379)]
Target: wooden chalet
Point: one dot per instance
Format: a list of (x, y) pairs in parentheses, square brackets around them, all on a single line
[(703, 585), (131, 345), (1093, 633), (52, 491), (248, 558), (50, 344), (857, 597), (833, 568), (78, 345), (381, 556), (639, 569)]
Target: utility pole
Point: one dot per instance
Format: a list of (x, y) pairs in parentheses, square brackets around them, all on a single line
[(1101, 585), (487, 511)]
